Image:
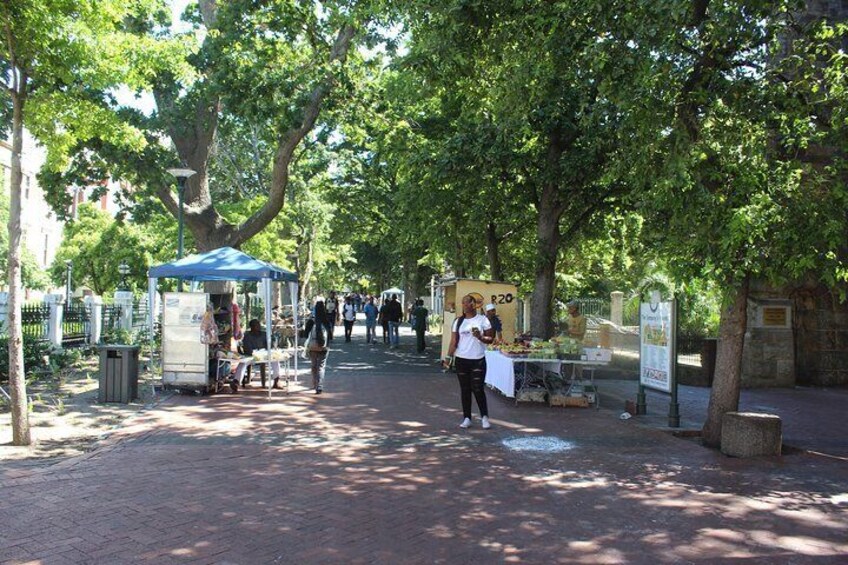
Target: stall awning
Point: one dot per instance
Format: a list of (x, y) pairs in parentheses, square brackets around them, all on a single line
[(222, 264), (394, 290)]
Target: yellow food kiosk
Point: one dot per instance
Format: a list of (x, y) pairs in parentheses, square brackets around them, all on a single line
[(503, 295)]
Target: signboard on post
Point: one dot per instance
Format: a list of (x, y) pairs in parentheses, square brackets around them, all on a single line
[(656, 338)]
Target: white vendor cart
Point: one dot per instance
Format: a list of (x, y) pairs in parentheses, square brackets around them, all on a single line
[(185, 358)]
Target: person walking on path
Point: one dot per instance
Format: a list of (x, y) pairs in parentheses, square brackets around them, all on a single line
[(395, 315), (470, 333), (332, 308), (384, 321), (370, 321), (316, 345), (349, 317), (419, 324)]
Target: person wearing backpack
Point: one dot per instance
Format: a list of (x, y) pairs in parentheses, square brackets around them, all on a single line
[(349, 317), (470, 334), (316, 344)]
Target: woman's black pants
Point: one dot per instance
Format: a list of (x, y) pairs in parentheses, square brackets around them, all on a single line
[(472, 380)]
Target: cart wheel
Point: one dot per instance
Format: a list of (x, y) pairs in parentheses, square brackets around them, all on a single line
[(234, 386)]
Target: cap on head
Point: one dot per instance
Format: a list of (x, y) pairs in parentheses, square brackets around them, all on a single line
[(490, 307)]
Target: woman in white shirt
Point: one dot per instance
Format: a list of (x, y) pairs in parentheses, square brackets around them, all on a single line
[(471, 333)]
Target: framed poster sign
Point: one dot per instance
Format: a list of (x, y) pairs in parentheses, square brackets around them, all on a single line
[(656, 334)]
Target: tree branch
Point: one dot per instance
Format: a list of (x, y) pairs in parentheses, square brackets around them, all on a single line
[(290, 140)]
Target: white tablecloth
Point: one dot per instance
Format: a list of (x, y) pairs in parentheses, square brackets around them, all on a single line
[(246, 362), (500, 373), (500, 369)]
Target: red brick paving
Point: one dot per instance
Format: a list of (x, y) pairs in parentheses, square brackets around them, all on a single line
[(375, 470)]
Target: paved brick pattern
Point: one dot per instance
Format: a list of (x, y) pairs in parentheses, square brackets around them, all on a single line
[(376, 470)]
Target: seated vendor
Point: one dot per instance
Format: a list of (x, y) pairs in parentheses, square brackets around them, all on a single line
[(254, 339), (576, 322)]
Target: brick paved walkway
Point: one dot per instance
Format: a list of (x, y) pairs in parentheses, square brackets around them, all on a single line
[(375, 470)]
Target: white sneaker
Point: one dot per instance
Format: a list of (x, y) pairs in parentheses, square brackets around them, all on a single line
[(466, 423), (486, 424)]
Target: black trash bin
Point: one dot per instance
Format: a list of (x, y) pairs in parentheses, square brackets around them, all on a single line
[(118, 373)]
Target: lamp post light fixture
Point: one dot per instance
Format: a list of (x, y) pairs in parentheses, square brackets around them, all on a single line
[(69, 265), (124, 269), (182, 176)]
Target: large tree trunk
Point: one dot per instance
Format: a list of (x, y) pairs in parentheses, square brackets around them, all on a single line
[(493, 249), (547, 248), (724, 396), (17, 376), (549, 210)]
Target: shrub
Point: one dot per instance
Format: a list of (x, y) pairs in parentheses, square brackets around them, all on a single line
[(35, 356)]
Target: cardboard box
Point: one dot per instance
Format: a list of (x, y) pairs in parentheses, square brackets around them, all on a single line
[(599, 354)]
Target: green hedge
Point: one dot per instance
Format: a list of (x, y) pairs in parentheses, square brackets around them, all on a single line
[(34, 356)]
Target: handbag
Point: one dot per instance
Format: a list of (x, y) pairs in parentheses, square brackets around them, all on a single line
[(312, 343)]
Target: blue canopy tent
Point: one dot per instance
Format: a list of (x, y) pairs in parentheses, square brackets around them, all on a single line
[(226, 264)]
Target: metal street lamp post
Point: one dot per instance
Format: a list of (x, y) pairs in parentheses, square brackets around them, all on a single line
[(124, 269), (68, 268), (182, 176)]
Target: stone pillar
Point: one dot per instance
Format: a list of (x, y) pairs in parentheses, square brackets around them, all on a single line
[(4, 313), (617, 307), (749, 434), (95, 319), (124, 299), (54, 323)]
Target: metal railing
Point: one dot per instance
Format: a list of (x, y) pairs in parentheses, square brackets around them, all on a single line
[(34, 319), (76, 326), (111, 316)]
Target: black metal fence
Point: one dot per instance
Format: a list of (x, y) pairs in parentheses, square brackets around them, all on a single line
[(139, 316), (76, 325), (597, 307), (111, 318), (34, 319), (690, 347), (76, 322)]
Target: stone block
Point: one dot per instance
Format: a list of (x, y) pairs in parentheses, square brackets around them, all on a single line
[(750, 434)]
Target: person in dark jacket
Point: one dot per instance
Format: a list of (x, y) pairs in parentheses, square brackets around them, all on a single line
[(254, 339), (419, 324), (394, 313)]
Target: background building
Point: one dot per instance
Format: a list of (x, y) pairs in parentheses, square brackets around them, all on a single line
[(42, 231)]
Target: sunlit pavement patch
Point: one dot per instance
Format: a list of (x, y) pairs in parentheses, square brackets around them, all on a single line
[(543, 444)]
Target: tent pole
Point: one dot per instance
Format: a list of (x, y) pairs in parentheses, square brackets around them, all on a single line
[(294, 290), (151, 314), (266, 299)]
